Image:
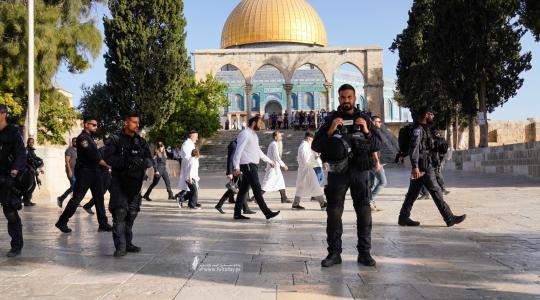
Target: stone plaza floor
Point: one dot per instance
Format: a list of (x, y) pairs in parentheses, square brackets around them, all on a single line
[(202, 254)]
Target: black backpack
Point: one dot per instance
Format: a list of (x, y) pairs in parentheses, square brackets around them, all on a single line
[(404, 138)]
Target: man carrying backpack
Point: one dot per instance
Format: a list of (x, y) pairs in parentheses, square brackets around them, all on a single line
[(420, 150)]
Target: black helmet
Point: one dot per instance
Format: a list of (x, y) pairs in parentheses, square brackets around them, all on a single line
[(336, 153)]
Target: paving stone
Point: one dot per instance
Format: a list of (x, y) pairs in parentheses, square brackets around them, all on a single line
[(495, 253)]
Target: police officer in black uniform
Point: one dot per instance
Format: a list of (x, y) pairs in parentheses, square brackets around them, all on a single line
[(88, 173), (129, 155), (348, 144), (105, 175), (33, 165), (423, 174), (12, 166)]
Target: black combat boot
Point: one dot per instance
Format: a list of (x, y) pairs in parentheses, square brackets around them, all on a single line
[(366, 259), (407, 222), (13, 252), (455, 220), (331, 259), (132, 248), (63, 227)]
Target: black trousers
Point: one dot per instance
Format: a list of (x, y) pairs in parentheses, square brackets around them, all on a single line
[(10, 204), (87, 178), (193, 194), (162, 174), (430, 183), (338, 184), (27, 197), (250, 179), (106, 183), (124, 207), (229, 195)]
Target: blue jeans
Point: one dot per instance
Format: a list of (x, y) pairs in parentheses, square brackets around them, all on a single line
[(379, 182), (69, 190), (320, 175)]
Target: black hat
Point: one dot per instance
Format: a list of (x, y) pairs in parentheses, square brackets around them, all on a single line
[(3, 108), (192, 132), (308, 134)]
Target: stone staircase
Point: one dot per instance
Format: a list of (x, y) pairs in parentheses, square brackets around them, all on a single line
[(214, 149)]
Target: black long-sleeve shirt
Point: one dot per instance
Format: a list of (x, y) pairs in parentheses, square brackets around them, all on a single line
[(13, 153), (88, 155), (120, 146)]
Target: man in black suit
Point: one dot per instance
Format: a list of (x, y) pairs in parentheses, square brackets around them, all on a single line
[(229, 194)]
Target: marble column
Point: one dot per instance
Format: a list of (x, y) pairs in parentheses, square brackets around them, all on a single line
[(288, 89), (329, 102), (248, 88)]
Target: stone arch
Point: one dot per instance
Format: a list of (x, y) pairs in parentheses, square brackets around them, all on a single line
[(253, 71), (313, 63), (346, 62), (273, 106), (234, 68)]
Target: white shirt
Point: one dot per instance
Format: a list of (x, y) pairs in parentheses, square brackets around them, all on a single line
[(274, 154), (248, 150), (193, 168), (187, 147)]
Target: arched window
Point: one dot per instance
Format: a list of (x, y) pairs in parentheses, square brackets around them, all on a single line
[(309, 101), (239, 101), (362, 102), (294, 101), (255, 102), (388, 107)]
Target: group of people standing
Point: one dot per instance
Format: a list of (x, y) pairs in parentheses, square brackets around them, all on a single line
[(343, 154)]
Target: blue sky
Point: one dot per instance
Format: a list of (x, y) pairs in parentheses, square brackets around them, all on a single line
[(348, 23)]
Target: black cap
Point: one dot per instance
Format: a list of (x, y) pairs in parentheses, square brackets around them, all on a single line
[(3, 108), (192, 131)]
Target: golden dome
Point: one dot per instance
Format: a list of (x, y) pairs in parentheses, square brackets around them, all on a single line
[(273, 21)]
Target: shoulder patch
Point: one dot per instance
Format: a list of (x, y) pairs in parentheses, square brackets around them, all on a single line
[(84, 143)]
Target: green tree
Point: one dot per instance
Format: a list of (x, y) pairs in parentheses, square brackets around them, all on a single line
[(418, 81), (97, 102), (197, 108), (56, 117), (64, 34), (530, 16), (14, 106), (461, 56), (147, 63), (476, 48)]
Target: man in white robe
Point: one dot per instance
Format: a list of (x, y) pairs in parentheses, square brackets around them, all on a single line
[(273, 179), (185, 155), (307, 182)]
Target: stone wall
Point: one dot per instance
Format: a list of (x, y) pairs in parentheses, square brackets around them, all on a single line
[(517, 159), (505, 133)]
